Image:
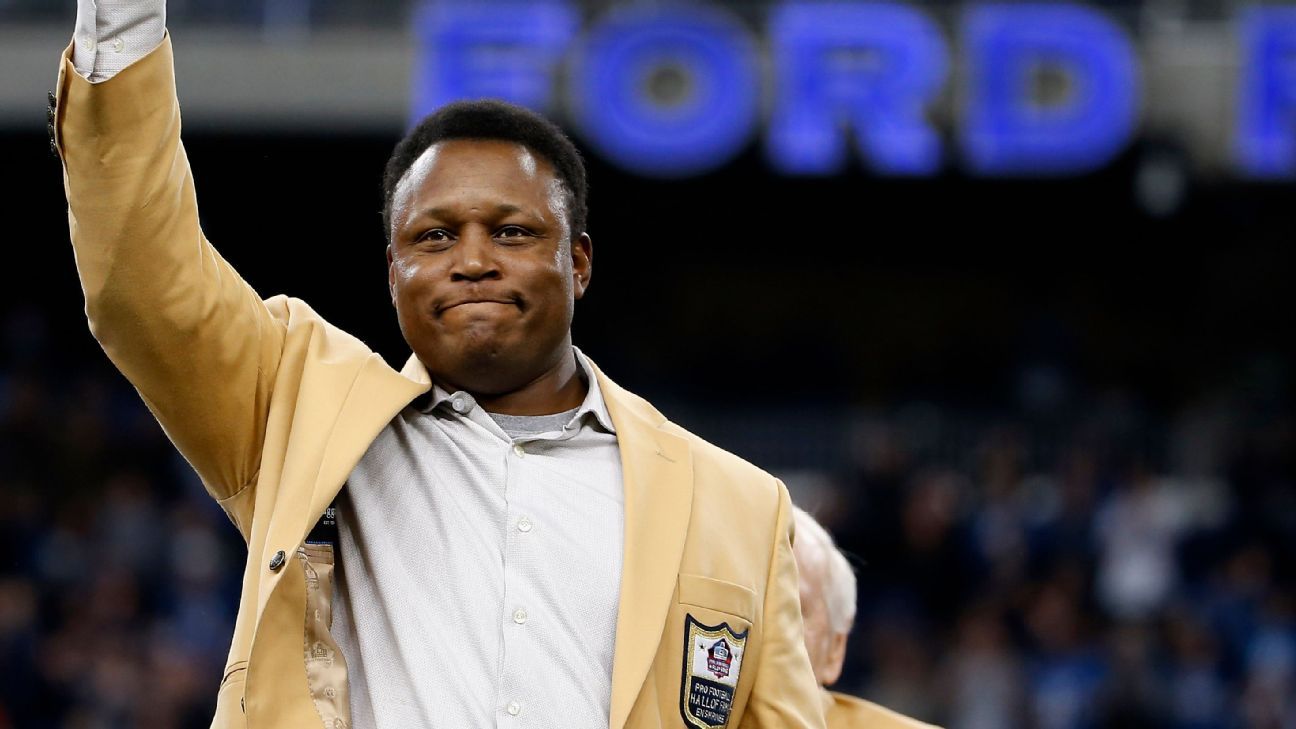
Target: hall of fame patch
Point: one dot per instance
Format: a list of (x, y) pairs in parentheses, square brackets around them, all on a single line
[(712, 658)]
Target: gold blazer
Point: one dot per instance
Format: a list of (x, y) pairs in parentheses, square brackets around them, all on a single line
[(273, 407)]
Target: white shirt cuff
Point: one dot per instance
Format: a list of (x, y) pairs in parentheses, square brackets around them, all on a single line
[(113, 34)]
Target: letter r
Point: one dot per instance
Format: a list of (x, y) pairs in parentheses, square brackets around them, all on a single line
[(872, 66)]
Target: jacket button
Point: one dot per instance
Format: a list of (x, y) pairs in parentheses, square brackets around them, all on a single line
[(277, 561)]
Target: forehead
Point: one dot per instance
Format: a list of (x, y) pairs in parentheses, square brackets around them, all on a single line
[(470, 169)]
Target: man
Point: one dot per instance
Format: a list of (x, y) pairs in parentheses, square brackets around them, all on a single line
[(828, 607), (520, 542)]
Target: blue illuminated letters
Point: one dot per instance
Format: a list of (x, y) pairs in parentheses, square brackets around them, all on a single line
[(1266, 126), (1007, 130), (666, 92), (676, 89), (502, 50), (870, 67)]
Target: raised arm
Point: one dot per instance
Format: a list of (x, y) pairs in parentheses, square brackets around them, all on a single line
[(195, 340)]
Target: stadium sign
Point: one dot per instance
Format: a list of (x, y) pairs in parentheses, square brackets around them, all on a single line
[(1042, 89)]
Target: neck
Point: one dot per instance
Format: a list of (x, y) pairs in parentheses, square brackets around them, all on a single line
[(557, 389)]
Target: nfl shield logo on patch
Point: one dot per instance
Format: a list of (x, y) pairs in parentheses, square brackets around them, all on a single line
[(712, 659), (719, 657)]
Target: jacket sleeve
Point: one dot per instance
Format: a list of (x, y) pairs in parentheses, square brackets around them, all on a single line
[(786, 695), (193, 338)]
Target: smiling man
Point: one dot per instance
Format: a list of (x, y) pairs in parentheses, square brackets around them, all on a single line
[(495, 535)]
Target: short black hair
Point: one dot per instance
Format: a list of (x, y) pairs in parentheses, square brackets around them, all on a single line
[(491, 119)]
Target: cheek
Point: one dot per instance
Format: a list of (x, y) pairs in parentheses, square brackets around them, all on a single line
[(562, 263), (815, 621), (410, 278), (403, 272), (814, 627), (549, 284)]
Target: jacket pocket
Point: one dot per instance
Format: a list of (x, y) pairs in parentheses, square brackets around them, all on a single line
[(711, 630), (717, 595)]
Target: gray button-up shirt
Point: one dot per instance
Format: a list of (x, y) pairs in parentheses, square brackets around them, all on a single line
[(480, 573)]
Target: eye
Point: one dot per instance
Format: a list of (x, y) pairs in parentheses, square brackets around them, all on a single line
[(513, 231), (437, 239), (436, 234)]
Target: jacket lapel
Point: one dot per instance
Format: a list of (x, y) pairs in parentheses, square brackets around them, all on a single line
[(376, 395), (657, 472), (379, 393)]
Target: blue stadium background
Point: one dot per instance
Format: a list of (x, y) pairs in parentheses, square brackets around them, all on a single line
[(1049, 415)]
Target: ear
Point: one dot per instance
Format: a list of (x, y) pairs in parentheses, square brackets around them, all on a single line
[(391, 275), (582, 253), (832, 666)]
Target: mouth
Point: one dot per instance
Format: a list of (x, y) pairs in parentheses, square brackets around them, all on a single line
[(475, 303)]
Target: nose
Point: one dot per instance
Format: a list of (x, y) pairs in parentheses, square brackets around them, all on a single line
[(474, 257)]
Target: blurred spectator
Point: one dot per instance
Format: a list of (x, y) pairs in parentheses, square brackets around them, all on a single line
[(1269, 688), (1198, 692), (1066, 668), (981, 679), (1138, 529)]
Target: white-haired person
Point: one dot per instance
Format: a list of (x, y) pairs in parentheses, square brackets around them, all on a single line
[(828, 611)]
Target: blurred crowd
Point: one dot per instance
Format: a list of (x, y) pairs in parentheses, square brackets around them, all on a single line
[(1103, 567), (119, 578)]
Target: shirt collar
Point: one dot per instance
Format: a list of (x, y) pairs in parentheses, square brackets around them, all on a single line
[(593, 405)]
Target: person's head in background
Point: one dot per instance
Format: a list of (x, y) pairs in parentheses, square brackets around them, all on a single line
[(827, 597)]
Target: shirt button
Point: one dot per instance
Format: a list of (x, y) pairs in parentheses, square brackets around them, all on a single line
[(519, 450), (519, 616), (118, 45), (524, 524), (88, 43), (514, 708), (459, 404)]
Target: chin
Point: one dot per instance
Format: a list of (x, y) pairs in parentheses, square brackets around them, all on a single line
[(489, 365), (487, 354), (483, 343)]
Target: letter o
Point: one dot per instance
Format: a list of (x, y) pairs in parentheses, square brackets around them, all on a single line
[(705, 114)]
